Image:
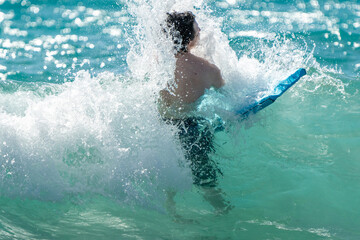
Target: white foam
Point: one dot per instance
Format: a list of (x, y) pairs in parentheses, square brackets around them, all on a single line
[(96, 134)]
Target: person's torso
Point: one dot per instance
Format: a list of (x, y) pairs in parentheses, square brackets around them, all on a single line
[(179, 99)]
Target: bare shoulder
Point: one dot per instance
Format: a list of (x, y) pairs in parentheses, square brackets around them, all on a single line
[(202, 61), (210, 72)]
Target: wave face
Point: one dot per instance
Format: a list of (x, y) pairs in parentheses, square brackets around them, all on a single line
[(84, 152)]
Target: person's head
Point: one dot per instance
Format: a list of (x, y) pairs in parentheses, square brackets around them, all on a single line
[(183, 30)]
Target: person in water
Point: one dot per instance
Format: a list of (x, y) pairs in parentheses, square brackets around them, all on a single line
[(193, 75)]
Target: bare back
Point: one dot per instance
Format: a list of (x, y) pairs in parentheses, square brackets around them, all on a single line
[(193, 75)]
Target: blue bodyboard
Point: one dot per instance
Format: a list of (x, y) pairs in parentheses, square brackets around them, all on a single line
[(265, 101)]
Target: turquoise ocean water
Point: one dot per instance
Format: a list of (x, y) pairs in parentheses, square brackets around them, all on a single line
[(85, 155)]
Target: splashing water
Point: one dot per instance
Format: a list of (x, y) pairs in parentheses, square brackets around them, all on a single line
[(84, 152)]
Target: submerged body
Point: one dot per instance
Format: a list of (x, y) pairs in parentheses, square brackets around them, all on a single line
[(193, 75)]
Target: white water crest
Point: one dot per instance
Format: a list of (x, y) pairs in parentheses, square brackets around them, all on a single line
[(98, 134)]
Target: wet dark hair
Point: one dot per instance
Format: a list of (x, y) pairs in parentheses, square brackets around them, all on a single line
[(180, 27)]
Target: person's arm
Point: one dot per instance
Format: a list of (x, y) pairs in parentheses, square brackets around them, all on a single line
[(212, 74), (217, 80)]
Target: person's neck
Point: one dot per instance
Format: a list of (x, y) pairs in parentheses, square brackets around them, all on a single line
[(182, 54)]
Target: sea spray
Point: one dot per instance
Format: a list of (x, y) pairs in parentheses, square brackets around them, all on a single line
[(88, 138)]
